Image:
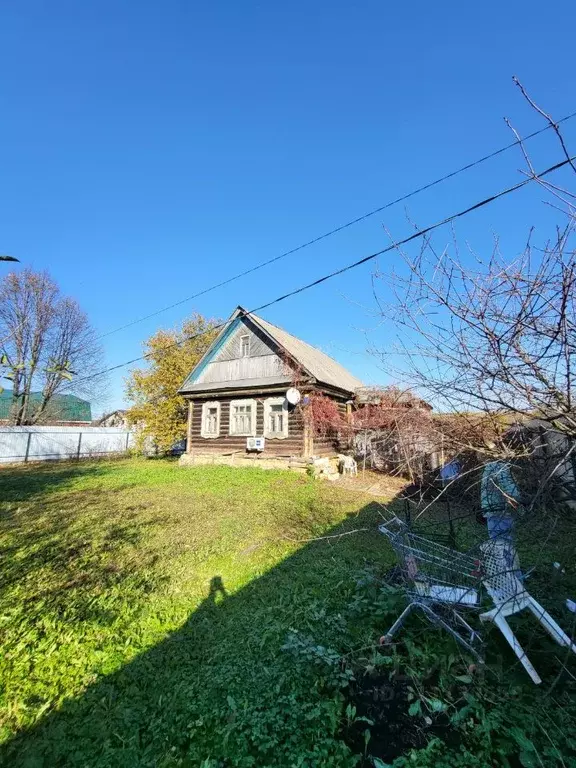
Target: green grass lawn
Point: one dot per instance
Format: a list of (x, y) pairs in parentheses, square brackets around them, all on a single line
[(158, 616), (143, 604)]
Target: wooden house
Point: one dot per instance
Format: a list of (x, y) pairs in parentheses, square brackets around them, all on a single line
[(238, 391)]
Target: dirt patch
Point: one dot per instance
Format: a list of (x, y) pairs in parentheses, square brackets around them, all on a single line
[(374, 484), (380, 706)]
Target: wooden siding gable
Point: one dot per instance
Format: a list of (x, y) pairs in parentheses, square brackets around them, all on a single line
[(231, 348), (226, 364)]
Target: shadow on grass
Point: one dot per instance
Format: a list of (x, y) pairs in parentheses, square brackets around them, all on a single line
[(148, 712), (220, 689)]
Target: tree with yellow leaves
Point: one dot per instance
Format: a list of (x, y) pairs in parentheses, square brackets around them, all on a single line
[(159, 411)]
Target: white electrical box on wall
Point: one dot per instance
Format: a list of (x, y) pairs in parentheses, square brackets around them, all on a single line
[(255, 443)]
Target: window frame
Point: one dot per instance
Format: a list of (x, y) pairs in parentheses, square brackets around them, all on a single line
[(270, 401), (205, 408), (254, 415), (242, 337)]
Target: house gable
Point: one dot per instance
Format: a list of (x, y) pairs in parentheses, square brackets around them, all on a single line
[(242, 356), (252, 353), (231, 349)]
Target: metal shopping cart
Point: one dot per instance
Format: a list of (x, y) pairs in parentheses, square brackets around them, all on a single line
[(443, 583)]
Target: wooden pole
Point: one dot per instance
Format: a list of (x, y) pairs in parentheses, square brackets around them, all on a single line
[(308, 447), (28, 446), (349, 411), (189, 427)]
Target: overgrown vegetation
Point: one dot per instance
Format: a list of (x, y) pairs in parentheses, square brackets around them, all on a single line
[(490, 338), (158, 411), (152, 616)]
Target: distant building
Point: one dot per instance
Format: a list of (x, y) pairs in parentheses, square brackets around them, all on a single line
[(549, 441), (63, 410), (116, 419)]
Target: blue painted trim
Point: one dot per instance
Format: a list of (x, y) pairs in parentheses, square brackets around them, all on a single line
[(193, 376)]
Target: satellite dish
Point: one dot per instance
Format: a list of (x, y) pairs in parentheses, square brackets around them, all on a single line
[(293, 396)]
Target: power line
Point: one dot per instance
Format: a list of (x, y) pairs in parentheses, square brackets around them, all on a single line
[(340, 228), (353, 265)]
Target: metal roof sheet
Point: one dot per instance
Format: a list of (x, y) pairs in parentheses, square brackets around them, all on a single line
[(61, 407), (324, 369)]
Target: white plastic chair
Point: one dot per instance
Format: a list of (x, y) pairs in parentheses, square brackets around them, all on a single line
[(510, 597), (435, 575)]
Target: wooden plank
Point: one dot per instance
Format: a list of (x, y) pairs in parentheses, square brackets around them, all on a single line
[(189, 427), (224, 371)]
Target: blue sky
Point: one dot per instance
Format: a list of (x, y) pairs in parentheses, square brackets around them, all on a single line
[(151, 149)]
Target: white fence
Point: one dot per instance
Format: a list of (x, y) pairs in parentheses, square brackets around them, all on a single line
[(44, 443)]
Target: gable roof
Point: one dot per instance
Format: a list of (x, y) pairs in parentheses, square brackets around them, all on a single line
[(315, 363), (323, 368)]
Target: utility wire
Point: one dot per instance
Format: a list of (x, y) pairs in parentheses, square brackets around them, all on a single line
[(353, 265), (342, 227)]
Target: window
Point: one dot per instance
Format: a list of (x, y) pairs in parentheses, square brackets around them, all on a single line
[(243, 417), (276, 417), (210, 420), (244, 346), (211, 423)]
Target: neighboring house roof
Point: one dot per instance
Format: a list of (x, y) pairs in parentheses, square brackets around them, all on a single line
[(316, 364), (393, 396), (113, 419), (61, 407)]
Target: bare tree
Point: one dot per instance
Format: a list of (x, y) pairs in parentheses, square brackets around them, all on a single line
[(46, 339), (492, 340), (494, 335)]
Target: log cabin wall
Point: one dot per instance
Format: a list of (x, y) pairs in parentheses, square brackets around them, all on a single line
[(328, 445), (293, 445)]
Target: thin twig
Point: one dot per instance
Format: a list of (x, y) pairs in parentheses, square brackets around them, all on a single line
[(323, 538), (547, 117)]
